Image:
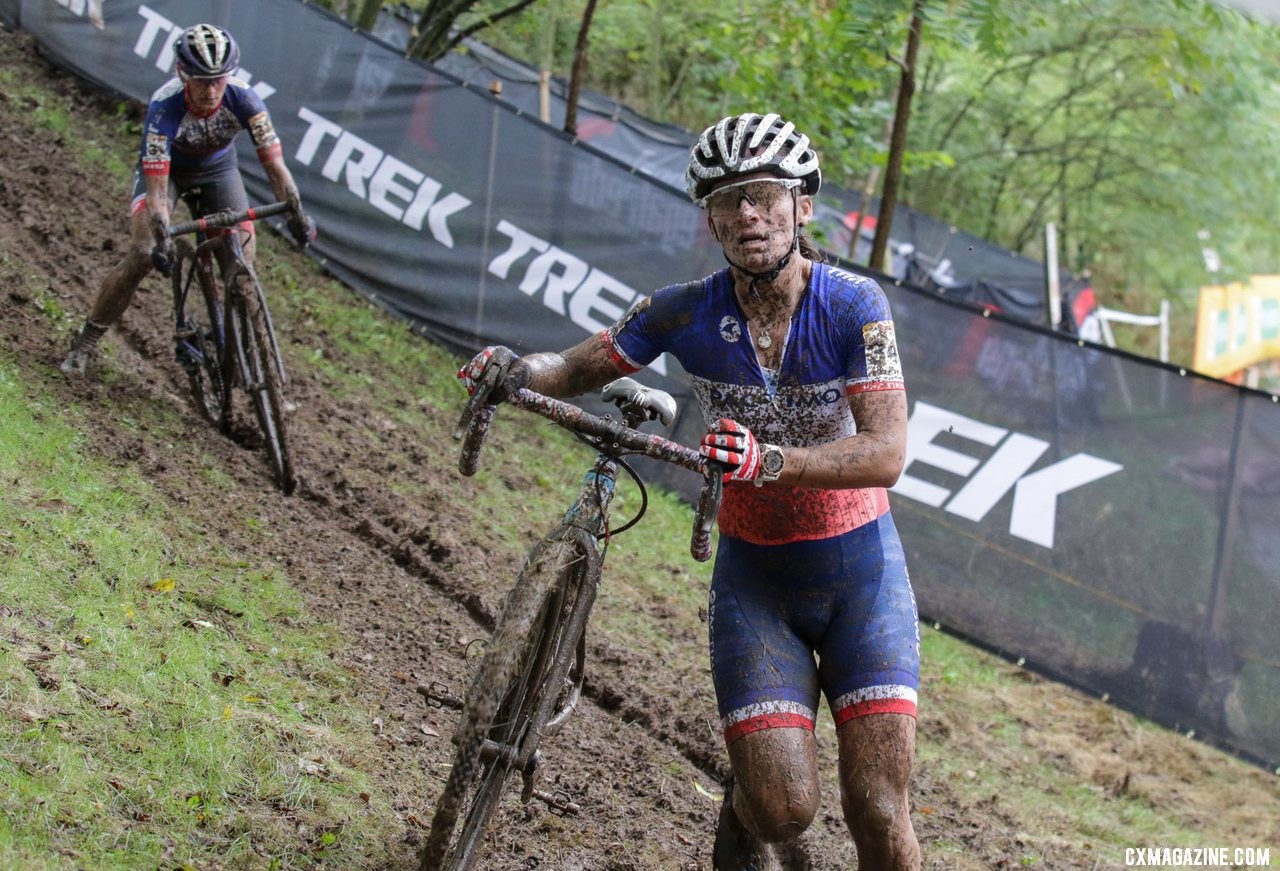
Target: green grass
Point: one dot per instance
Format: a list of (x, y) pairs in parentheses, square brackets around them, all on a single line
[(162, 701), (996, 747), (166, 702), (56, 114)]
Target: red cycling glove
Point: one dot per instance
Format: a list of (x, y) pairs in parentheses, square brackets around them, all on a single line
[(492, 366), (731, 443), (474, 369)]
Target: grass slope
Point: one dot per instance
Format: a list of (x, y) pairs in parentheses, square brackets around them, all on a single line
[(168, 701)]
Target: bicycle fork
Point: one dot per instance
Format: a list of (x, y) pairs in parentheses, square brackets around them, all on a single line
[(187, 347)]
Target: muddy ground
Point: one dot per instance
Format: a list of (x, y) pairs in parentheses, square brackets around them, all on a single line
[(410, 584)]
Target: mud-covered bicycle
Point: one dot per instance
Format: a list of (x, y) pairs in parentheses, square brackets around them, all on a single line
[(227, 338), (530, 678)]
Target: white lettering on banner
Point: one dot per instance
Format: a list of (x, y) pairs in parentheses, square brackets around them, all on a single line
[(559, 274), (158, 25), (521, 244), (379, 179), (357, 171), (556, 272), (569, 286), (1035, 495), (92, 9), (589, 298)]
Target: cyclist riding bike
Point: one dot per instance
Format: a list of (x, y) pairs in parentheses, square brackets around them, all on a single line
[(188, 151), (795, 367)]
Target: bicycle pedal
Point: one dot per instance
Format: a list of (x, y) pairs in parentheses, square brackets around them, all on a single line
[(437, 695), (558, 803)]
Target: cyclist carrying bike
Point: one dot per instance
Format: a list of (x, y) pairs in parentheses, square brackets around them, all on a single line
[(795, 367), (188, 151)]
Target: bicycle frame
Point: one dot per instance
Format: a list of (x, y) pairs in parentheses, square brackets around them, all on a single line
[(228, 242), (248, 351), (530, 680), (584, 525)]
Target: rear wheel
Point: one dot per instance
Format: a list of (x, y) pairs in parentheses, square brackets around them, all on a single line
[(501, 717), (199, 332), (261, 373)]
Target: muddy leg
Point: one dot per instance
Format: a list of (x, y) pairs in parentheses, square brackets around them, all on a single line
[(876, 755), (774, 796), (114, 295)]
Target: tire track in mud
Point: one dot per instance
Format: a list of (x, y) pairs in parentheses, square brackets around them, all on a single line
[(422, 557), (73, 254)]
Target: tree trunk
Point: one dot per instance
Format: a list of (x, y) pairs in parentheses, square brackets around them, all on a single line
[(579, 70), (898, 142), (864, 203), (436, 35), (433, 30), (368, 15)]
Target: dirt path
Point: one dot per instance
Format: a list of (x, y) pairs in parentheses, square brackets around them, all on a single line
[(409, 588), (408, 583)]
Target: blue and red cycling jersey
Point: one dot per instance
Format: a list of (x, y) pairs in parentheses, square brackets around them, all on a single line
[(177, 140), (810, 592), (841, 343)]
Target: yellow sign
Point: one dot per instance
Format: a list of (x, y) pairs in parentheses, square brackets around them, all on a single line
[(1238, 325)]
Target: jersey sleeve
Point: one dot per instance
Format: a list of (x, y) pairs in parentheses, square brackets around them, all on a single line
[(157, 139), (252, 113), (872, 363), (650, 327)]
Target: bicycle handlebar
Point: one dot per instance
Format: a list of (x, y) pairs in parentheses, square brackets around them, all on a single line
[(226, 218), (473, 428)]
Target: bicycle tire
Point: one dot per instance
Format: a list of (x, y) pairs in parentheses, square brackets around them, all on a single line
[(504, 703), (260, 373), (200, 332)]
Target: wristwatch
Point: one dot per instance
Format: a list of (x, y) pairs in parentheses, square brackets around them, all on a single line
[(771, 460)]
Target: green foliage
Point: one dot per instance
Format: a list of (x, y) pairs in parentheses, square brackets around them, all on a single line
[(162, 700), (1131, 125)]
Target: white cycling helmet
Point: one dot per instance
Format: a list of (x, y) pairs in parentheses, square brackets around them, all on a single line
[(206, 51), (743, 144)]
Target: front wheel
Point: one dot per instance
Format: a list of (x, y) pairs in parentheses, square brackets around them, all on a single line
[(260, 370), (519, 680), (198, 334)]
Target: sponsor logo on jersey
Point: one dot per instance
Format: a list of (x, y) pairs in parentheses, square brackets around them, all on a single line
[(883, 364), (157, 147), (261, 129), (730, 329)]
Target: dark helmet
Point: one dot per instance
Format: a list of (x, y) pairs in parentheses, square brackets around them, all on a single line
[(206, 51), (743, 144)]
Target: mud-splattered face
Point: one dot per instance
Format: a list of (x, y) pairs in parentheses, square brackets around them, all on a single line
[(756, 231), (205, 95)]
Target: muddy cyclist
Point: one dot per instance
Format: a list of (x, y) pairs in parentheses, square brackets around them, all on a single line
[(188, 151), (795, 367)]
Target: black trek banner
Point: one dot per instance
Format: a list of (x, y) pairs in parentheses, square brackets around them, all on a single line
[(1108, 520)]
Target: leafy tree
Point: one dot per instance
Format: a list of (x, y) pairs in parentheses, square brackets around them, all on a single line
[(1130, 126)]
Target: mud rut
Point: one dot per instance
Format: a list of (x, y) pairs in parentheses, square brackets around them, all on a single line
[(409, 585)]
